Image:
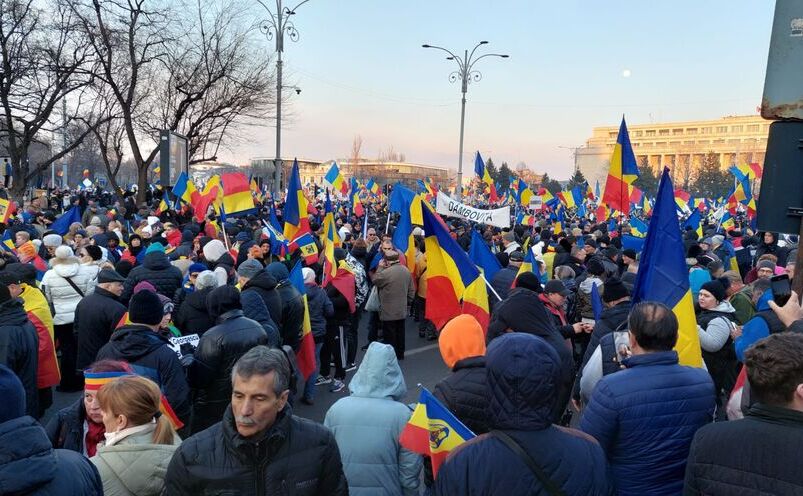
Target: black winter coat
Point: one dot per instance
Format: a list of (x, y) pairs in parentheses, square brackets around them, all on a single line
[(192, 316), (320, 309), (295, 456), (29, 465), (502, 282), (522, 311), (151, 356), (157, 270), (755, 455), (521, 388), (210, 373), (292, 319), (96, 317), (66, 429), (342, 311), (19, 349), (264, 285), (465, 393)]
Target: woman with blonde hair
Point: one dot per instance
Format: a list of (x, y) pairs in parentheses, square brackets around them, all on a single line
[(139, 441)]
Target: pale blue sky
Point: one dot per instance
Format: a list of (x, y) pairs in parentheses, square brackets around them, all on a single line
[(362, 71)]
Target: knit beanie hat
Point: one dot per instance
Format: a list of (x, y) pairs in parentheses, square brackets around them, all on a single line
[(766, 264), (595, 267), (197, 267), (530, 281), (613, 290), (460, 338), (716, 289), (155, 246), (213, 250), (145, 308), (144, 286), (94, 251), (52, 240), (64, 252), (206, 279), (308, 274), (13, 394), (249, 268)]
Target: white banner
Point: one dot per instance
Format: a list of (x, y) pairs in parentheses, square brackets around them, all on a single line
[(499, 217)]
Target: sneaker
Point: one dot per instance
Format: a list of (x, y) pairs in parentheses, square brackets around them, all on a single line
[(351, 366), (322, 379), (337, 386)]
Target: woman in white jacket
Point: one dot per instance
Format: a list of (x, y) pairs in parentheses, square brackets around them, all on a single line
[(64, 285)]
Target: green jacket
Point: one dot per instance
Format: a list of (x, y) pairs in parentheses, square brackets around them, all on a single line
[(134, 466), (743, 305)]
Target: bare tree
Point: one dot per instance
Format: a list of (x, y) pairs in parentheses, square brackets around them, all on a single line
[(44, 61), (391, 155)]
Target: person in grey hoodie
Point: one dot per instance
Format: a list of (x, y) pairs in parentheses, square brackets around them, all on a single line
[(367, 426), (714, 325)]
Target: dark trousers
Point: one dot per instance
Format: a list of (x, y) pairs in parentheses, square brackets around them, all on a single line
[(353, 336), (68, 346), (373, 327), (334, 348), (393, 334)]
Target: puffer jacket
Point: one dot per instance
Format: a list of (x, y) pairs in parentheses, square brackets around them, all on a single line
[(192, 316), (134, 466), (19, 346), (523, 376), (58, 291), (157, 270), (210, 373), (754, 455), (264, 284), (294, 456), (465, 393), (522, 311), (29, 465), (96, 317), (367, 426), (151, 356), (320, 308), (292, 317), (645, 417)]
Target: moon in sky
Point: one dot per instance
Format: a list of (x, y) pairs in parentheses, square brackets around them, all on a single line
[(626, 73)]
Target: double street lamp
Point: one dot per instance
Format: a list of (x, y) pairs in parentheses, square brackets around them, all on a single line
[(276, 26), (465, 73)]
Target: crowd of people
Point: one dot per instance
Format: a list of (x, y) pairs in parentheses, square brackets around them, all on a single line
[(571, 389)]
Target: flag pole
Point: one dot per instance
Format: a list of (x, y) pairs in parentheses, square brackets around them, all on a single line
[(387, 224), (225, 236), (490, 287)]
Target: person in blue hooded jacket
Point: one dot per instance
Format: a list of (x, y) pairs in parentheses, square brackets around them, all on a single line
[(646, 415), (760, 325), (367, 426), (524, 374)]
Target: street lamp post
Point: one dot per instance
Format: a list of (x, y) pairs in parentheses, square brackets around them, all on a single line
[(276, 26), (465, 73)]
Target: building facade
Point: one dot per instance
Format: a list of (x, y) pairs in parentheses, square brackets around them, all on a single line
[(681, 146)]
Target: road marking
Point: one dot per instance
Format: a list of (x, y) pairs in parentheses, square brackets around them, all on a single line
[(415, 351)]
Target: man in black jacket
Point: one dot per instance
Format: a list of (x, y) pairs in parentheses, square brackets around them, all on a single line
[(157, 270), (759, 453), (260, 447), (522, 311), (141, 345), (218, 350), (292, 317), (97, 315), (503, 279), (19, 346)]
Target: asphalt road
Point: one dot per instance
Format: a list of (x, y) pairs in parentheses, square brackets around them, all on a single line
[(422, 364)]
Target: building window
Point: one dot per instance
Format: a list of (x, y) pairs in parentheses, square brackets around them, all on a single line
[(705, 130), (722, 129), (737, 129), (639, 134), (733, 141), (688, 142), (702, 142), (674, 143), (613, 134), (753, 128), (660, 144), (691, 130), (663, 132), (650, 132), (677, 132)]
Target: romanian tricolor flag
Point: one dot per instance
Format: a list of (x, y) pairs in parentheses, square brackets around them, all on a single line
[(336, 179), (306, 352), (433, 431), (93, 381), (481, 170), (530, 264), (622, 173), (296, 221), (331, 240), (356, 205), (663, 276), (373, 187), (694, 222), (162, 208), (185, 189), (566, 198), (451, 277), (201, 202), (524, 193), (7, 242), (237, 197), (525, 219)]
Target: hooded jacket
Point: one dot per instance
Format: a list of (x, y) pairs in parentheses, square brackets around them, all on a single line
[(264, 284), (522, 311), (157, 270), (151, 356), (367, 425), (771, 248), (294, 456), (29, 465), (192, 316), (135, 466), (524, 373), (58, 291), (645, 417), (210, 373), (19, 345), (96, 317), (291, 319), (320, 309)]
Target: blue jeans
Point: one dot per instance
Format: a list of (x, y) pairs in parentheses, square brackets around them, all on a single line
[(309, 387)]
